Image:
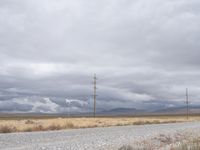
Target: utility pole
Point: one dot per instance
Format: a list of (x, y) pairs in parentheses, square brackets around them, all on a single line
[(187, 102), (95, 93)]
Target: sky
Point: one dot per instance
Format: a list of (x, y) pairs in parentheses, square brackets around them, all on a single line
[(145, 53)]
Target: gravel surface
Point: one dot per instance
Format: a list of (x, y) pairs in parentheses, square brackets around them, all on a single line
[(89, 139)]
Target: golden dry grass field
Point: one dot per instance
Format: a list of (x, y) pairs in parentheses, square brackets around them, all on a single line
[(44, 124)]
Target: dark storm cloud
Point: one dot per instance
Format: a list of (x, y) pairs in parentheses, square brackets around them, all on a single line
[(142, 51), (9, 106)]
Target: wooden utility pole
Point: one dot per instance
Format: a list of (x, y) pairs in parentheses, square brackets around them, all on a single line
[(95, 93), (187, 103)]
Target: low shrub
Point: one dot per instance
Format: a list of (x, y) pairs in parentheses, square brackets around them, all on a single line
[(69, 125), (37, 128), (7, 129), (29, 122), (54, 127)]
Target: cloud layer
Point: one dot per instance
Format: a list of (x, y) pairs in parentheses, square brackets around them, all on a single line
[(145, 53)]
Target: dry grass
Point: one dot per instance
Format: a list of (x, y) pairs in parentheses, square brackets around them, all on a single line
[(188, 144), (7, 129), (184, 140), (28, 125)]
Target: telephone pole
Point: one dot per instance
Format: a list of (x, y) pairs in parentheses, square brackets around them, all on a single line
[(187, 102), (95, 93)]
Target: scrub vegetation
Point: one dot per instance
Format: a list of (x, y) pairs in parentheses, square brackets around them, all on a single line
[(29, 124)]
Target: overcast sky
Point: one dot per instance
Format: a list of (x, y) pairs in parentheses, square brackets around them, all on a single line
[(144, 52)]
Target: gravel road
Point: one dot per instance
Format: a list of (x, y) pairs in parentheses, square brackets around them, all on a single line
[(88, 139)]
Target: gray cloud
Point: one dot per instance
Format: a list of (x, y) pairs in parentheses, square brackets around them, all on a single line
[(142, 51), (8, 106)]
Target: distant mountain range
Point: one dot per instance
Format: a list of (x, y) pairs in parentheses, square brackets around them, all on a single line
[(179, 110), (117, 112), (133, 111), (121, 111)]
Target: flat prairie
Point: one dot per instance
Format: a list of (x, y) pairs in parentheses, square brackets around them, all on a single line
[(31, 123)]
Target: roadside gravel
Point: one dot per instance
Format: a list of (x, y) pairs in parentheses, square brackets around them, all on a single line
[(89, 139)]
